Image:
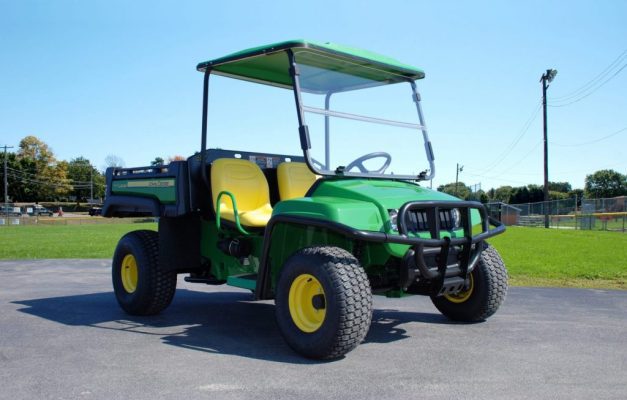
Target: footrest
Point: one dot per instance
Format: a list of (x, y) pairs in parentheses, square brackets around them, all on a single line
[(245, 281)]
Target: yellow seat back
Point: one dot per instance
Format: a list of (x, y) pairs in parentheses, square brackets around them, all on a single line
[(245, 180), (294, 179)]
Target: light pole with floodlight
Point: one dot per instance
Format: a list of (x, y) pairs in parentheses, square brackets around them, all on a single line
[(548, 76)]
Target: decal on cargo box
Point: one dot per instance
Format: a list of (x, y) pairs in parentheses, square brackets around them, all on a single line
[(155, 183)]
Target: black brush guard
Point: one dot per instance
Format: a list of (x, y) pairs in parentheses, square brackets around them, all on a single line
[(454, 256)]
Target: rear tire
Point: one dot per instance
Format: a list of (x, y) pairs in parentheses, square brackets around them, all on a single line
[(487, 291), (141, 287), (323, 302)]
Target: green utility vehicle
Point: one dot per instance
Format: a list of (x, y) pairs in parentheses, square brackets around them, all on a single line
[(320, 229)]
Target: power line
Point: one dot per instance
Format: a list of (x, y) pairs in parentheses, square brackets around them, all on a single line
[(592, 141), (521, 159), (42, 183), (592, 91), (69, 185), (37, 176), (498, 179), (600, 76), (516, 140)]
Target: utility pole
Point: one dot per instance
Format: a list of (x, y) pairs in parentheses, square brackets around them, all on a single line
[(548, 76), (457, 171), (6, 181)]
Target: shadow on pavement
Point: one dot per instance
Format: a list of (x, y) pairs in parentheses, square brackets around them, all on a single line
[(223, 323)]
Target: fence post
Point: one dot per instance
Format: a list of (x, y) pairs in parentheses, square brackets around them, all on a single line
[(575, 211)]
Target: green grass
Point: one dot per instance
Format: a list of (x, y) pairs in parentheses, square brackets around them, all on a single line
[(533, 256), (562, 257), (63, 241)]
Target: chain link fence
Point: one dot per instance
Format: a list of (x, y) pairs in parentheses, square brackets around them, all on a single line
[(586, 214)]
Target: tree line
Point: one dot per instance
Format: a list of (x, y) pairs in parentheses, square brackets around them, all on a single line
[(604, 183), (34, 174)]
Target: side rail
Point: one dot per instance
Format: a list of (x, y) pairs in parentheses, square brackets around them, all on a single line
[(161, 191)]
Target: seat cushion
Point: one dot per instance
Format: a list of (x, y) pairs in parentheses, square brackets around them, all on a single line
[(254, 218), (295, 179), (245, 180)]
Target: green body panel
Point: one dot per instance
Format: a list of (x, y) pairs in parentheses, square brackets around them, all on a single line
[(222, 265), (269, 65), (163, 189), (356, 214), (289, 238), (386, 194)]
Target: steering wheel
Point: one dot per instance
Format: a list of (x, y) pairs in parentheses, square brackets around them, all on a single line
[(359, 162)]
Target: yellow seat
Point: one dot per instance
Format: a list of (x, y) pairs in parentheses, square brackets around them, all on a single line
[(295, 179), (245, 180)]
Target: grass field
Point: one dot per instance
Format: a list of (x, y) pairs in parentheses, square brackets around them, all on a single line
[(64, 241), (533, 256), (563, 257)]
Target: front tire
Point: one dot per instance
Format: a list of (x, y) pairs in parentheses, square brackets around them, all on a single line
[(323, 302), (485, 294), (141, 287)]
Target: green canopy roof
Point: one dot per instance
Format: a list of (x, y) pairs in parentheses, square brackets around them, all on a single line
[(352, 68)]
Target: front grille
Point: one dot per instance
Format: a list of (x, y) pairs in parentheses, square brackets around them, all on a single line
[(417, 221)]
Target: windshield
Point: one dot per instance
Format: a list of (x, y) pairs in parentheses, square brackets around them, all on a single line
[(364, 124)]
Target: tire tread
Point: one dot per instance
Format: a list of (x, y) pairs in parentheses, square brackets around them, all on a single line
[(352, 286), (161, 283)]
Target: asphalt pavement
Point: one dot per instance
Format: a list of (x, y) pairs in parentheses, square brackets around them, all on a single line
[(63, 336)]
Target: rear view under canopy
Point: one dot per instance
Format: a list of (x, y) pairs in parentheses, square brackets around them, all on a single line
[(269, 65)]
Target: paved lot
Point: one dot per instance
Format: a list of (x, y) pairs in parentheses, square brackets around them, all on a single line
[(62, 336)]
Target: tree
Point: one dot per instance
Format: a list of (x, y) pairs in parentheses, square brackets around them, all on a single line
[(606, 183), (556, 195), (43, 178), (479, 195), (60, 187), (114, 161), (17, 176), (158, 161), (33, 148), (527, 194), (458, 190), (503, 194), (576, 193), (563, 187), (82, 175)]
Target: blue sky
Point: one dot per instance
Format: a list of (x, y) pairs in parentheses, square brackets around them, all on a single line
[(117, 77)]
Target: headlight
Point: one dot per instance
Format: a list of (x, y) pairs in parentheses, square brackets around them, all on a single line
[(456, 216), (393, 214)]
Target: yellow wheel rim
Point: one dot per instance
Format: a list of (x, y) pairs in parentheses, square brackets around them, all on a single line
[(464, 295), (129, 273), (307, 303)]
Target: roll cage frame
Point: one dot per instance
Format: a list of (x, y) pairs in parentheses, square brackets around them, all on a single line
[(303, 129)]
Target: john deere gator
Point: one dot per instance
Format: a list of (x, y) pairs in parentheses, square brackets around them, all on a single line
[(319, 228)]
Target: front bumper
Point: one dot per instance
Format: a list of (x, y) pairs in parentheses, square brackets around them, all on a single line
[(450, 258)]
